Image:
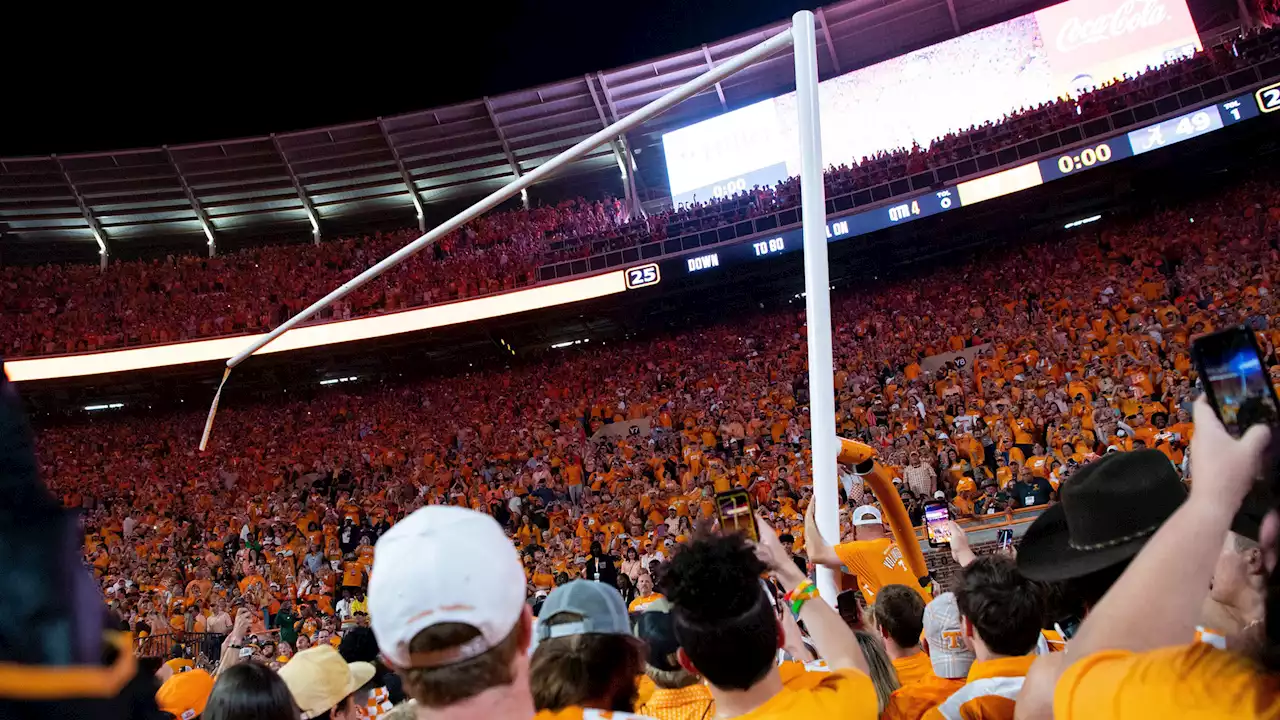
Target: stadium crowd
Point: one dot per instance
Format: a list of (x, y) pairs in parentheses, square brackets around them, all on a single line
[(59, 309), (265, 544)]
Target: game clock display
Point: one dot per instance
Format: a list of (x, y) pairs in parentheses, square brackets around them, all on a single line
[(1083, 158)]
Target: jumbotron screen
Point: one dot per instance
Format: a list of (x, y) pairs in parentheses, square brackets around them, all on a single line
[(923, 95)]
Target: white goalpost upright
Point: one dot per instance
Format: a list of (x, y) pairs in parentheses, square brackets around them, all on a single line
[(817, 295), (818, 305)]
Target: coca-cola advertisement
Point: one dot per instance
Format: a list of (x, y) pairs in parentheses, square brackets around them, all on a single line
[(1089, 42)]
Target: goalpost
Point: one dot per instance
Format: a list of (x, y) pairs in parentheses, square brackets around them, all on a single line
[(825, 446)]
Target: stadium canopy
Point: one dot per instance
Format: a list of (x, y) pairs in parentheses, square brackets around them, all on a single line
[(320, 181)]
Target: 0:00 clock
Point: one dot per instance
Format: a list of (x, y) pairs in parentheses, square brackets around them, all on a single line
[(1088, 157)]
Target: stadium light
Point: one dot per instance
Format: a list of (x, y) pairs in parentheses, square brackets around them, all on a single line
[(1081, 221), (335, 381), (104, 406)]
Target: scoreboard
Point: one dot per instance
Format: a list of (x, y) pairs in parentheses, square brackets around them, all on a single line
[(1081, 158)]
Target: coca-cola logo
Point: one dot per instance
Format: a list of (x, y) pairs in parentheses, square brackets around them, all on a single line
[(1130, 17)]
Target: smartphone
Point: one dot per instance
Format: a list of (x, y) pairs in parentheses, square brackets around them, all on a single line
[(736, 513), (1235, 380), (1004, 538), (936, 517)]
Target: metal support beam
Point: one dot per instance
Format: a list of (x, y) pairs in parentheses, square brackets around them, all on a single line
[(826, 35), (955, 22), (94, 226), (506, 147), (706, 54), (404, 175), (615, 145), (302, 194), (195, 203), (626, 158)]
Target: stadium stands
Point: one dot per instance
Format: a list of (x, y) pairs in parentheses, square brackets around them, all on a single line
[(1088, 353), (57, 309)]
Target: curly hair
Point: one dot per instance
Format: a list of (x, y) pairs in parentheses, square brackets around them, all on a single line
[(722, 618)]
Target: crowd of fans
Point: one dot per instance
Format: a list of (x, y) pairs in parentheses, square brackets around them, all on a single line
[(264, 546), (58, 309), (491, 546)]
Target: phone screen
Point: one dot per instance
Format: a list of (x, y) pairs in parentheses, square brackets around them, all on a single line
[(936, 517), (1236, 381), (734, 509), (1004, 537)]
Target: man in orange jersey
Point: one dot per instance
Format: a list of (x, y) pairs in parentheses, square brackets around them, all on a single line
[(872, 557), (898, 616), (1000, 612), (948, 655)]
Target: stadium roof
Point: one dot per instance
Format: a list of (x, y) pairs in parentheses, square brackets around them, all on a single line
[(290, 183)]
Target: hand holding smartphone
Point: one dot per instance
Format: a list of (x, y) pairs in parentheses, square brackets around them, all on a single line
[(936, 517), (1235, 380), (736, 514)]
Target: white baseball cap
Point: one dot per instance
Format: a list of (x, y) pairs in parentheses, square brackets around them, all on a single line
[(943, 632), (867, 515), (444, 564)]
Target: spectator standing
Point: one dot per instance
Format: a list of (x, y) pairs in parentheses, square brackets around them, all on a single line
[(586, 655), (921, 478), (872, 557), (729, 634), (323, 685), (285, 621), (948, 656), (679, 694), (185, 694), (448, 607), (898, 616), (250, 691), (1030, 489), (1001, 614)]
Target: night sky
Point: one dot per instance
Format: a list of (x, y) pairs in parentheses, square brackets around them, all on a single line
[(87, 85)]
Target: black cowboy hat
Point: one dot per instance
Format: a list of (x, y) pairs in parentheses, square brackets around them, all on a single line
[(1108, 510)]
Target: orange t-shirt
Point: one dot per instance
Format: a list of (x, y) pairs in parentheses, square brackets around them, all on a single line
[(352, 574), (911, 702), (877, 563)]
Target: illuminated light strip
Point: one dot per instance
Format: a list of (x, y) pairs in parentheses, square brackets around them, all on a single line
[(324, 334), (1081, 221), (1001, 183), (104, 406)]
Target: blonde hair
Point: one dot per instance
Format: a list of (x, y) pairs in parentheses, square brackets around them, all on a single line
[(883, 677)]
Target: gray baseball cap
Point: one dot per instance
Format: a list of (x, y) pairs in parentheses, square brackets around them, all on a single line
[(599, 606)]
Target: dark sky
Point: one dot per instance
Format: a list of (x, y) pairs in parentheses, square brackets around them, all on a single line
[(198, 71)]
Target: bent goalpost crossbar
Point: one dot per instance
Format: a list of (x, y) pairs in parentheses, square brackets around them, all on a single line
[(826, 446)]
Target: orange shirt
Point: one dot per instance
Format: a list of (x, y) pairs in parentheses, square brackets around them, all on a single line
[(911, 702), (689, 703), (913, 669), (989, 691), (1195, 680), (877, 563), (352, 574)]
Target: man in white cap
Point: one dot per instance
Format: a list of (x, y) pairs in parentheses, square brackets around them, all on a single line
[(948, 655), (323, 685), (447, 603), (871, 556)]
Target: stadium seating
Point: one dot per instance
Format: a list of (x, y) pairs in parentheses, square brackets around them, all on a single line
[(1088, 354), (58, 309)]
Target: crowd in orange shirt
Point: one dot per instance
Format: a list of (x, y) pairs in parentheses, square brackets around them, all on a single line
[(1087, 341)]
